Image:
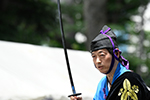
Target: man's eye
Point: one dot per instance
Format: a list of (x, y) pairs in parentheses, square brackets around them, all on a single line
[(102, 55), (93, 56)]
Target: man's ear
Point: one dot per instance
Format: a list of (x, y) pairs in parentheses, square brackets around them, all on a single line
[(117, 53)]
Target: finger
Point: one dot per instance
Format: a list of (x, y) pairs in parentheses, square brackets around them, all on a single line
[(73, 98), (79, 98)]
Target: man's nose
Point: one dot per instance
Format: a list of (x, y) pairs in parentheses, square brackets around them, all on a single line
[(98, 60)]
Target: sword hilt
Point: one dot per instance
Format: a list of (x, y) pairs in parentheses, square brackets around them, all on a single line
[(76, 94)]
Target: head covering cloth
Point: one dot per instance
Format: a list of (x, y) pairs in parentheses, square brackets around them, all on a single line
[(107, 40)]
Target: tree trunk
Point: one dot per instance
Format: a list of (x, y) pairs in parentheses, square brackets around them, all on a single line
[(95, 17)]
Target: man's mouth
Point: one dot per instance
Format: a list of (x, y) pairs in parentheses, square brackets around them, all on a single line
[(99, 67)]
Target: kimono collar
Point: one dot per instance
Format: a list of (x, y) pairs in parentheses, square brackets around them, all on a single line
[(119, 71)]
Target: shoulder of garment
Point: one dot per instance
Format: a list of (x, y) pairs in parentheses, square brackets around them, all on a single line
[(129, 85)]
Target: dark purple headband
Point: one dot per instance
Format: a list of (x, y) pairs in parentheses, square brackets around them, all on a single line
[(124, 62), (113, 60), (104, 33)]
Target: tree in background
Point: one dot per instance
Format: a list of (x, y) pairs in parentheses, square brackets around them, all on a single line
[(29, 21), (73, 21), (114, 13)]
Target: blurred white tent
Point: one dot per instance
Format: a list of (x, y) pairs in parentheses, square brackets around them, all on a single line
[(30, 71)]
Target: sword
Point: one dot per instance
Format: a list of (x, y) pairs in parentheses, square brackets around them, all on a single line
[(65, 51)]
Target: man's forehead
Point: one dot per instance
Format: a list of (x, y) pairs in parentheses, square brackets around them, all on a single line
[(99, 51)]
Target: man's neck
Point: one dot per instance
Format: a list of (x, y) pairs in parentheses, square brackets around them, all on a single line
[(111, 74), (110, 78)]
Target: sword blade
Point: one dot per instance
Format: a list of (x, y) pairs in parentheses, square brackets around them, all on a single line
[(65, 51)]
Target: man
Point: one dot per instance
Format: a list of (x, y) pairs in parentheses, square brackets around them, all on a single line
[(119, 83)]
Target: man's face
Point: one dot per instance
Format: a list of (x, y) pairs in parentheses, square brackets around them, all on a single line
[(102, 60)]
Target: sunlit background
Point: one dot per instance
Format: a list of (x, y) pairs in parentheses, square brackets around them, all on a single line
[(33, 65)]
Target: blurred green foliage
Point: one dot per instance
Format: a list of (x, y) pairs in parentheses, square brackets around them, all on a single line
[(29, 21), (73, 22)]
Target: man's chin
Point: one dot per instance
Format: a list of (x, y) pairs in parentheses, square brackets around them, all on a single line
[(103, 72)]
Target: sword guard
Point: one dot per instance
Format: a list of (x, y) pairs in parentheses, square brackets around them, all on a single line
[(76, 94)]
